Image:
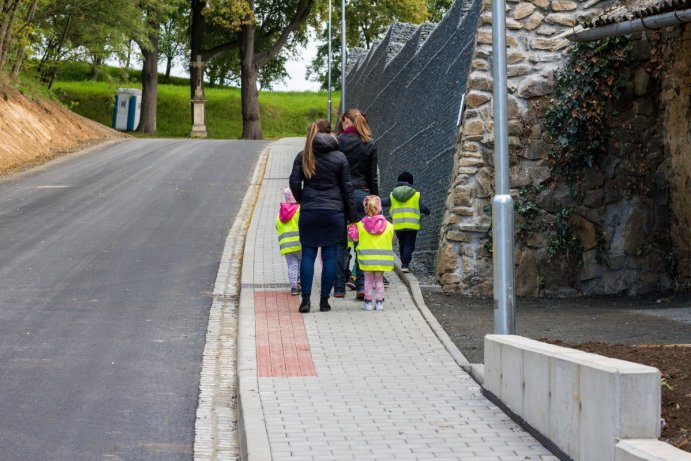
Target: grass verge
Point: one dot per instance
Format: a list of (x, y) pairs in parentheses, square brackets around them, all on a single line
[(283, 114)]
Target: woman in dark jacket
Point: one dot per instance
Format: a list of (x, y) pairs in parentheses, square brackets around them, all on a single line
[(320, 182), (356, 142)]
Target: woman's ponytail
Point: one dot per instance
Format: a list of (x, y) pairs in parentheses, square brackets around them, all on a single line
[(362, 128), (359, 123), (309, 163)]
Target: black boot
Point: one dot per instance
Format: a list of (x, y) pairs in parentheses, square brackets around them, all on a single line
[(305, 305), (324, 304)]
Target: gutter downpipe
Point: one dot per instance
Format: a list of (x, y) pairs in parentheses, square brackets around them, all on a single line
[(635, 25), (502, 203)]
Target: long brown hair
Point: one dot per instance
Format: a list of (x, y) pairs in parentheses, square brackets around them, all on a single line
[(309, 162), (360, 123)]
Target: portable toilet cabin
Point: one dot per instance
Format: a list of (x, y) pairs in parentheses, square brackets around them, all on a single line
[(128, 105)]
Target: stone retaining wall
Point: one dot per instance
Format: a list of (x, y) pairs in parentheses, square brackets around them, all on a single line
[(632, 213), (622, 214)]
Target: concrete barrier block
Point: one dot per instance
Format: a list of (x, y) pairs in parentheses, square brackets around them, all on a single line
[(492, 359), (648, 450), (512, 377), (536, 391), (564, 405), (599, 413), (641, 403)]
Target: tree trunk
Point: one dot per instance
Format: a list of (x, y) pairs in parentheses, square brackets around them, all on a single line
[(22, 51), (196, 39), (251, 121), (6, 31), (169, 65), (147, 119), (129, 55), (48, 76)]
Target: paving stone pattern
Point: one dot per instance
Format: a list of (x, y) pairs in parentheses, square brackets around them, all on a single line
[(411, 85), (385, 387)]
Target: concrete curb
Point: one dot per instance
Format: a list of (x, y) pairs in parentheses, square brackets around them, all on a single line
[(215, 438), (253, 439), (414, 288)]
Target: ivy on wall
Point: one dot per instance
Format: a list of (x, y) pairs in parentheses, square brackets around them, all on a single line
[(584, 92)]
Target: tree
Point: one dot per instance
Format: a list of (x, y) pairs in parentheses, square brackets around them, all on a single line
[(173, 40), (437, 8), (60, 29), (267, 28), (155, 12)]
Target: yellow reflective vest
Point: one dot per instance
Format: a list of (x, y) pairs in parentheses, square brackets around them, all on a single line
[(406, 215), (375, 252), (288, 234)]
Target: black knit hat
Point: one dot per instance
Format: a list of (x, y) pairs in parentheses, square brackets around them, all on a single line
[(406, 177)]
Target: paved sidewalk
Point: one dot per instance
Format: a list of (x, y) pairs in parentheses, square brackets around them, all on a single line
[(350, 384)]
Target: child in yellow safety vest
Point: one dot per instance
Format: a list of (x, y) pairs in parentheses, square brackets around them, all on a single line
[(289, 237), (374, 235), (405, 210)]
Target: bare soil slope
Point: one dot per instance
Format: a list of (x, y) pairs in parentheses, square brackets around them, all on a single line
[(35, 131)]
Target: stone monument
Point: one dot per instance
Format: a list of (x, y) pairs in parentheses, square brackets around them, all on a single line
[(198, 101)]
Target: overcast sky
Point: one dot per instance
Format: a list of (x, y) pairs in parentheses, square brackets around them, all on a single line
[(296, 71)]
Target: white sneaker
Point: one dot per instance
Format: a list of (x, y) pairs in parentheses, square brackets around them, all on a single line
[(367, 306), (379, 305), (405, 269)]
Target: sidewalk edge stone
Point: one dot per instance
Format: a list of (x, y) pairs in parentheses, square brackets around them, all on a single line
[(217, 417), (253, 439)]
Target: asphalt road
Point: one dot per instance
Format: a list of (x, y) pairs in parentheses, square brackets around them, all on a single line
[(107, 262)]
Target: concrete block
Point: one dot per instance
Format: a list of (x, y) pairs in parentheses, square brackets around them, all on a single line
[(641, 403), (511, 390), (564, 404), (492, 365), (619, 400), (598, 416), (536, 392), (648, 450)]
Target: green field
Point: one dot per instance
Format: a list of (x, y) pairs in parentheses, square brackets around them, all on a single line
[(282, 113)]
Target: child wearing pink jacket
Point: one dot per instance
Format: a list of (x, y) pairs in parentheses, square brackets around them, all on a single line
[(375, 255)]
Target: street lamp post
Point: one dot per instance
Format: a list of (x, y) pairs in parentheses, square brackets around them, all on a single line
[(502, 203), (329, 66), (343, 56)]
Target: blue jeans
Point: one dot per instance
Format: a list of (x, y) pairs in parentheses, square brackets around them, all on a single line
[(309, 254), (406, 242)]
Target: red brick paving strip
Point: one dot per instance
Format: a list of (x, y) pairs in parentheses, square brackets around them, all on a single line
[(282, 346)]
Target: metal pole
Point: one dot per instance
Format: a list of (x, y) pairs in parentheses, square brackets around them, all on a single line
[(343, 56), (329, 64), (502, 203)]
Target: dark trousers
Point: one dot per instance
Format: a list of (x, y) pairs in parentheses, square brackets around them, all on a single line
[(406, 245), (342, 258), (309, 254)]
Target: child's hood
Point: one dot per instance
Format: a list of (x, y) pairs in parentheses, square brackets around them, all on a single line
[(374, 225), (287, 211), (403, 192)]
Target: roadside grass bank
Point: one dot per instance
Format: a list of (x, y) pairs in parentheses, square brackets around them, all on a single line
[(284, 114)]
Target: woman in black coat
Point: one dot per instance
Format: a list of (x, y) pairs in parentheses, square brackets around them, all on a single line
[(320, 182), (356, 142)]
